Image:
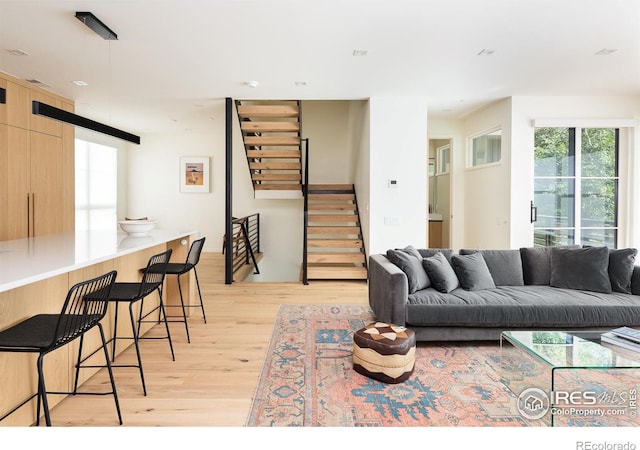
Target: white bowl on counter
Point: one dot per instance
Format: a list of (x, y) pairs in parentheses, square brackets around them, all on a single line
[(137, 227)]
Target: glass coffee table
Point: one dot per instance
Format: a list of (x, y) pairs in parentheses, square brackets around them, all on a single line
[(570, 378)]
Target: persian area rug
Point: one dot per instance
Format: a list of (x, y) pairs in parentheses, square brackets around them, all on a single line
[(308, 379)]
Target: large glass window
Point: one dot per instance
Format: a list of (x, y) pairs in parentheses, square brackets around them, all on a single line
[(576, 186), (96, 185)]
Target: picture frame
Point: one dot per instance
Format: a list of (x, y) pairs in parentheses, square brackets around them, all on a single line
[(194, 174)]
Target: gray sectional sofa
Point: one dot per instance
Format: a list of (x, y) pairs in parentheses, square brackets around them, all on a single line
[(477, 294)]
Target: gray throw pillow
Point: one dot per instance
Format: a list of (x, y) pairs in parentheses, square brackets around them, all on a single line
[(472, 272), (429, 252), (505, 266), (442, 276), (584, 269), (536, 264), (410, 249), (621, 263), (412, 267)]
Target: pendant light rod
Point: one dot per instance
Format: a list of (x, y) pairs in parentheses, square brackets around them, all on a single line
[(42, 109)]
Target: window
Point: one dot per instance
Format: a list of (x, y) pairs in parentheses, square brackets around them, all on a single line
[(444, 159), (576, 186), (486, 149), (96, 185)]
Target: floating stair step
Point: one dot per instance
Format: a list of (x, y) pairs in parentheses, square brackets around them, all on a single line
[(335, 258), (334, 243), (248, 111), (276, 177), (337, 272), (272, 165), (294, 154), (277, 187), (333, 230), (332, 207), (333, 218), (331, 187), (268, 127), (272, 140), (315, 197)]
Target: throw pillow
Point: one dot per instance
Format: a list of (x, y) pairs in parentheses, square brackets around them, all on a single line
[(536, 264), (429, 252), (472, 272), (442, 276), (621, 263), (583, 269), (505, 266), (410, 249), (412, 267)]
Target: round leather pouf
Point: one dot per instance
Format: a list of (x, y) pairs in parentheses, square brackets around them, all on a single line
[(384, 351)]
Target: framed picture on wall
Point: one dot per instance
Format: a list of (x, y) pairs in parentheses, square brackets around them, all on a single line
[(194, 174)]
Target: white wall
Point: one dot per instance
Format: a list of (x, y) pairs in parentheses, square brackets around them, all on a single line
[(398, 147), (487, 189)]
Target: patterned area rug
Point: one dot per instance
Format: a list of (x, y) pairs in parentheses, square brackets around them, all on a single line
[(308, 379)]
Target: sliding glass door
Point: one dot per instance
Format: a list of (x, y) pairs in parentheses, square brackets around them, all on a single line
[(576, 186)]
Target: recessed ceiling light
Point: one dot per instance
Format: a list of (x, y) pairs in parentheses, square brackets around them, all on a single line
[(80, 83), (486, 52), (300, 83), (606, 51), (360, 52), (252, 84), (36, 81), (17, 52)]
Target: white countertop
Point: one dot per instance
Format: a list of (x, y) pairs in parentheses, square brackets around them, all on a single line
[(25, 261)]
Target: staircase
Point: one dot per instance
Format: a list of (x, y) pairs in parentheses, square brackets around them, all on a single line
[(271, 132), (335, 248)]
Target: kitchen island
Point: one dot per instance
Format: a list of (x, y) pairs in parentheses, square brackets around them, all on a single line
[(35, 276)]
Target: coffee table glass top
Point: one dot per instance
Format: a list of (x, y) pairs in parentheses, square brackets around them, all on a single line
[(582, 350)]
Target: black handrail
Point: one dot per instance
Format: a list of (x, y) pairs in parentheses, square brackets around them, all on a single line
[(245, 242), (305, 194)]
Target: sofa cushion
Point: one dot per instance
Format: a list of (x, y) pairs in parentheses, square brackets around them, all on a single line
[(581, 268), (521, 307), (443, 277), (621, 263), (536, 264), (412, 267), (472, 272), (505, 266)]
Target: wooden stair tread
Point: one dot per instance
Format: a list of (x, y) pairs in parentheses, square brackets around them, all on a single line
[(248, 111), (331, 187), (272, 165), (276, 177), (336, 272), (314, 229), (315, 197), (272, 140), (335, 257), (332, 207), (277, 187), (332, 218), (294, 154), (334, 243), (272, 126)]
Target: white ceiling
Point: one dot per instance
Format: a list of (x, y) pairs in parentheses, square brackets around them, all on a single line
[(175, 59)]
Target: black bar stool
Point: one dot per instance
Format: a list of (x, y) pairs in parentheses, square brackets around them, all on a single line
[(85, 306), (179, 269), (132, 292)]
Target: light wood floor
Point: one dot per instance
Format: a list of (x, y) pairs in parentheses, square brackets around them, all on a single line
[(213, 379)]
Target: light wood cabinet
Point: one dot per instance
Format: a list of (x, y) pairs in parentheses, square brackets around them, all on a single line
[(36, 166)]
